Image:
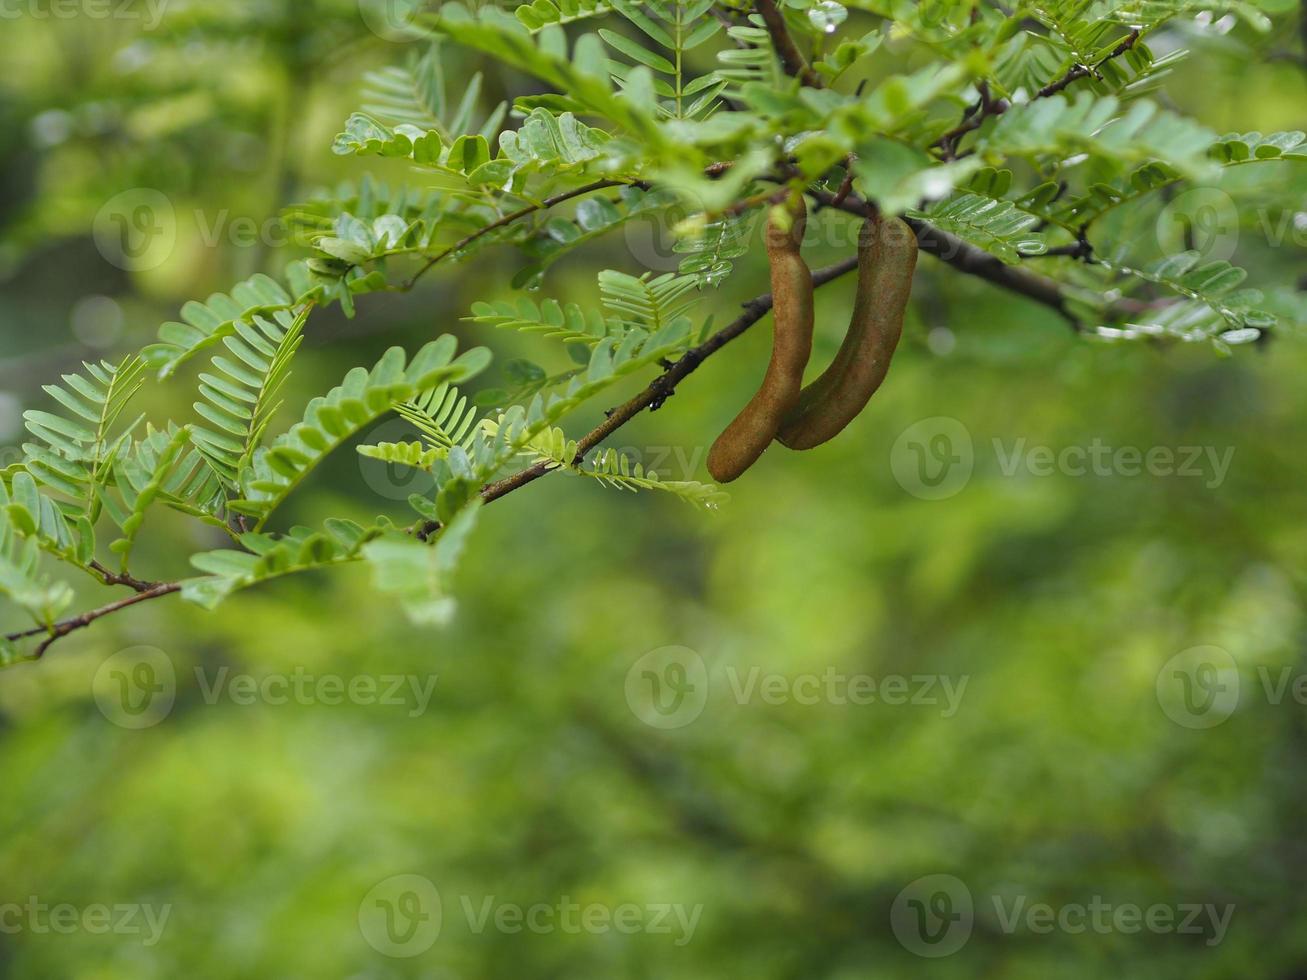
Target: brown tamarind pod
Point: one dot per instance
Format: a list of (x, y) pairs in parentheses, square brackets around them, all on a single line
[(744, 440), (887, 258)]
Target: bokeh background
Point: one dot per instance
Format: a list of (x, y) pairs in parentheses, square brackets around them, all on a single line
[(525, 764)]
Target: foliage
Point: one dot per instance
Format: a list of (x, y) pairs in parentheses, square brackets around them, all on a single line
[(291, 776), (1023, 135)]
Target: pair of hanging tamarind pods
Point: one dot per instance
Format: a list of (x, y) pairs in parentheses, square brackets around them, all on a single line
[(784, 410)]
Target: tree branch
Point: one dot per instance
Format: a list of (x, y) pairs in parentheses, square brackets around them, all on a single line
[(508, 219), (967, 258), (60, 630), (663, 386), (792, 59), (944, 246), (121, 578), (987, 108), (658, 391)]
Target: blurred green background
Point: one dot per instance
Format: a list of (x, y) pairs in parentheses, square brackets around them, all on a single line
[(748, 832)]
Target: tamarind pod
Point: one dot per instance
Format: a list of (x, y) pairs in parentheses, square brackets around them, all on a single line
[(814, 393), (887, 258), (752, 431)]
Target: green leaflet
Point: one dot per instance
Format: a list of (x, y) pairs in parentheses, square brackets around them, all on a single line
[(76, 451), (646, 302), (570, 323), (415, 95), (443, 416), (240, 397), (182, 480), (614, 469), (1218, 309), (268, 557), (610, 361), (642, 304), (35, 515), (413, 454), (1059, 126), (897, 177), (541, 13), (419, 573), (545, 142), (595, 217), (998, 227), (583, 74), (642, 314), (21, 579), (1072, 211), (359, 400), (204, 324), (143, 478), (1246, 147)]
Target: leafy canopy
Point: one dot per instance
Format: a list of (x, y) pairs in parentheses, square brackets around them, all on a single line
[(1027, 135)]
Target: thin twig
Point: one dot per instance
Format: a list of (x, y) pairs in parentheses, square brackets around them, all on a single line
[(121, 578), (508, 219), (988, 108), (60, 630), (663, 386), (947, 248), (967, 258), (1082, 71), (846, 186), (792, 59)]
